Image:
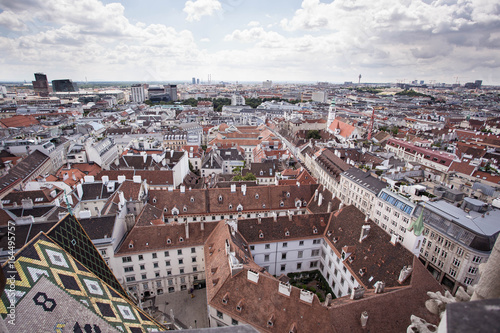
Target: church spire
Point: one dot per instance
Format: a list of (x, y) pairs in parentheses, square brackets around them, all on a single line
[(418, 225), (332, 112)]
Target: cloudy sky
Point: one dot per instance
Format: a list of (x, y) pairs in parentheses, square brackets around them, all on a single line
[(251, 40)]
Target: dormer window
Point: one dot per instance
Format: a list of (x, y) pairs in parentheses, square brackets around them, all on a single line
[(169, 241), (261, 172), (287, 233), (263, 205), (256, 195), (230, 206), (304, 203), (288, 194), (154, 200), (192, 199), (239, 208), (225, 299), (175, 211), (261, 234), (165, 210), (239, 306), (181, 239), (185, 209), (131, 245), (220, 197), (270, 321), (315, 230)]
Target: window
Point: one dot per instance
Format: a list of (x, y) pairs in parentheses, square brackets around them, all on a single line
[(300, 254), (128, 269), (167, 263), (299, 265), (155, 265), (144, 276), (472, 270), (456, 262), (252, 247), (267, 246), (181, 271), (283, 255), (266, 257), (179, 252), (219, 314), (234, 321), (453, 272), (193, 259), (154, 255), (130, 278), (103, 253), (166, 254), (195, 269), (468, 281), (342, 281), (181, 261), (157, 274), (313, 264), (316, 241), (460, 251), (335, 272), (283, 267), (142, 267), (301, 243), (314, 253), (193, 250), (285, 244), (126, 259), (476, 259), (141, 257)]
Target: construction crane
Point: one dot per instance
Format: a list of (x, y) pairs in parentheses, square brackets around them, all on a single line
[(370, 129)]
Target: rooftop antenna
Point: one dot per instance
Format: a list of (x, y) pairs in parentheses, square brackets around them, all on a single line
[(359, 79)]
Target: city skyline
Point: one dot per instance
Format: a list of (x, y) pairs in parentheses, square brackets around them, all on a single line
[(237, 40)]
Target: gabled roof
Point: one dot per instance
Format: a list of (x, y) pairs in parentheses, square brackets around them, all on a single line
[(346, 130)]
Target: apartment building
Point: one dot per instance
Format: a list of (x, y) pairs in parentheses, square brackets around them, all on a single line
[(457, 239)]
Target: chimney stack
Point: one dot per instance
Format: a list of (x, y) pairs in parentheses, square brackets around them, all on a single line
[(233, 188), (202, 226), (275, 217), (329, 209), (405, 273), (364, 319), (244, 189), (365, 231), (187, 230), (394, 239), (320, 200)]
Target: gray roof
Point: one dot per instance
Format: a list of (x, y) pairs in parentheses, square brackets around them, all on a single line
[(365, 180), (486, 224)]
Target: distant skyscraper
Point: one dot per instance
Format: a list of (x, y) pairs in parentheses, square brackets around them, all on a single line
[(138, 93), (194, 80), (64, 86), (267, 84), (197, 81), (41, 85)]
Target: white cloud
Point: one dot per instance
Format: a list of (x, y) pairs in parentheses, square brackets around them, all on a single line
[(253, 24), (205, 40), (195, 10), (10, 20)]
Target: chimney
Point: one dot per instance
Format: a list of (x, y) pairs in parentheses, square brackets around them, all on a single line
[(275, 217), (298, 184), (379, 287), (405, 273), (357, 293), (244, 189), (364, 319), (183, 189), (187, 230), (136, 179), (27, 203), (329, 209), (105, 179), (233, 188), (365, 231), (290, 216), (394, 239), (172, 153), (320, 200), (202, 226), (341, 205), (328, 300), (316, 195), (259, 220)]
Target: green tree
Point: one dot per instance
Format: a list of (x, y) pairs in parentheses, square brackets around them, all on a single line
[(313, 134)]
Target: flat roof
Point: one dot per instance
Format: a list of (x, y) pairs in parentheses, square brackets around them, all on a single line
[(487, 223)]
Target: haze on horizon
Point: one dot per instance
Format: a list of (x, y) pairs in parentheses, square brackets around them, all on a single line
[(242, 40)]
